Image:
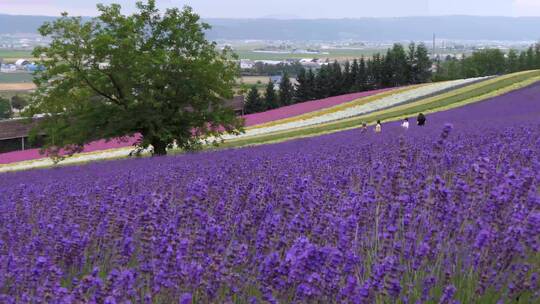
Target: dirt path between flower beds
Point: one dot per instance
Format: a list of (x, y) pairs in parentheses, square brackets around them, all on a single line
[(17, 86)]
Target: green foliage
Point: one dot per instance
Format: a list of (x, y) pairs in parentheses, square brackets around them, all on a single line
[(488, 62), (5, 108), (305, 86), (396, 68), (270, 97), (254, 102), (422, 68), (151, 74), (483, 63), (18, 102), (286, 91), (264, 69)]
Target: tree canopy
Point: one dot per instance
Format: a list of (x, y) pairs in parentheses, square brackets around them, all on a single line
[(254, 102), (151, 74), (286, 90)]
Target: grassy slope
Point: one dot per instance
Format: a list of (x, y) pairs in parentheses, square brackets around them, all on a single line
[(460, 97)]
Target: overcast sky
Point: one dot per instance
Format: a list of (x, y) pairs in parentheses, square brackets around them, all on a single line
[(293, 8)]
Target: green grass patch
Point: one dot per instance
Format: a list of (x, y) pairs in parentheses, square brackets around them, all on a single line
[(16, 77), (332, 54), (16, 54)]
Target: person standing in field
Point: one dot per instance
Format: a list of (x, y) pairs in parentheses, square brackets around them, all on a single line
[(378, 127), (405, 124), (421, 120), (364, 127)]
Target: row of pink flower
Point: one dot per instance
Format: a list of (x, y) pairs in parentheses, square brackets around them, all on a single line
[(251, 120), (305, 107)]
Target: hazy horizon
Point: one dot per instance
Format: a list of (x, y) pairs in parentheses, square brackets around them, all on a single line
[(300, 9)]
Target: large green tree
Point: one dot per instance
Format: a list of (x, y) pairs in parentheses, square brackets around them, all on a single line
[(151, 74)]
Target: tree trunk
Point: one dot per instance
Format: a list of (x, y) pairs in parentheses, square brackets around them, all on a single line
[(160, 147)]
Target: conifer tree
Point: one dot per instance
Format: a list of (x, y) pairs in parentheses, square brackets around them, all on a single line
[(336, 79), (348, 79), (270, 96), (323, 82), (304, 86), (362, 76), (254, 102), (311, 82), (423, 64), (354, 75), (286, 91)]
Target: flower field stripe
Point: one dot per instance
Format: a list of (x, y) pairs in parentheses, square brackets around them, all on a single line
[(495, 87), (375, 105), (468, 95), (340, 107), (306, 107)]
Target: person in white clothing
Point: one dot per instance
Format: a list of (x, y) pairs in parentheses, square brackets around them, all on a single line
[(405, 123), (378, 127)]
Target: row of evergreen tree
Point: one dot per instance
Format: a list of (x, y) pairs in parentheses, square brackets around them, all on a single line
[(488, 62), (395, 68), (398, 67)]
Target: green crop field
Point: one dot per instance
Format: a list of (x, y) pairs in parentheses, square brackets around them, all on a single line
[(15, 77), (332, 54), (10, 56)]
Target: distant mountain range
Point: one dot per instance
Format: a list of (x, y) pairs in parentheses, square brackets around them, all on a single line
[(366, 29)]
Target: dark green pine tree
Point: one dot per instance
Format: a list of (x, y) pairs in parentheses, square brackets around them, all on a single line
[(311, 82), (522, 61), (354, 75), (394, 70), (323, 83), (423, 64), (270, 96), (348, 78), (531, 62), (512, 62), (286, 90), (303, 87), (254, 102), (362, 77), (537, 55), (5, 108), (336, 79), (412, 65), (373, 68)]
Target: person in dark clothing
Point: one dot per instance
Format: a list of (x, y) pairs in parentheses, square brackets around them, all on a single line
[(364, 126), (421, 120)]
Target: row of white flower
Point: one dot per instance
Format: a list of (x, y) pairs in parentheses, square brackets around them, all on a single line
[(378, 104)]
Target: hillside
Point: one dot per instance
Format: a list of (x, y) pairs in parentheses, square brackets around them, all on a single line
[(446, 213), (369, 29), (319, 117)]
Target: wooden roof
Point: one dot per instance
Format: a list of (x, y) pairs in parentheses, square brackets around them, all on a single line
[(237, 103), (15, 128)]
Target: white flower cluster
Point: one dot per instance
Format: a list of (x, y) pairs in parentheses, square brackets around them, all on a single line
[(378, 104)]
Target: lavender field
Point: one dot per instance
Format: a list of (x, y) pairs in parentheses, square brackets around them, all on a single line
[(447, 213)]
